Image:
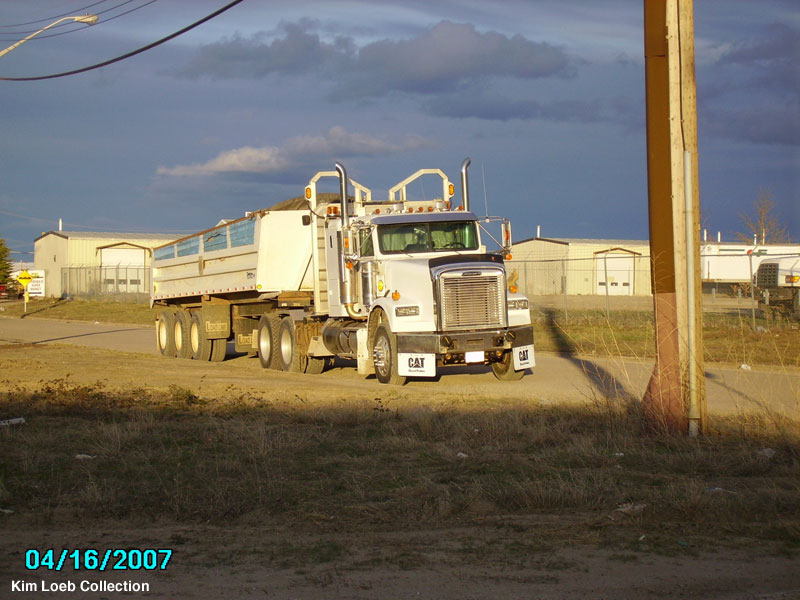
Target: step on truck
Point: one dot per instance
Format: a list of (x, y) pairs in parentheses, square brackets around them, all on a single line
[(401, 286)]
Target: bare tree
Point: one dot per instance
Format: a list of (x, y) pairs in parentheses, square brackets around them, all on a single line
[(765, 228)]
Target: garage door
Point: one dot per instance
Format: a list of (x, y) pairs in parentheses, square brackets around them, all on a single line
[(614, 273)]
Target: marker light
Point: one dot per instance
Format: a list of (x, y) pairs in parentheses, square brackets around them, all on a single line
[(451, 189), (513, 289), (308, 192), (395, 296), (508, 256), (792, 278)]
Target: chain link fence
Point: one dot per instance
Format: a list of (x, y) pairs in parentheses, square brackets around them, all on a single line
[(121, 283)]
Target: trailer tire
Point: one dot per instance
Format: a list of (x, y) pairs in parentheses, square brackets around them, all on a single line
[(183, 321), (316, 365), (287, 352), (219, 348), (504, 368), (165, 333), (200, 346), (267, 340), (384, 356)]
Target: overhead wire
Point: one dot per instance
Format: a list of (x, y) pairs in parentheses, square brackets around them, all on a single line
[(48, 19), (132, 53), (101, 22)]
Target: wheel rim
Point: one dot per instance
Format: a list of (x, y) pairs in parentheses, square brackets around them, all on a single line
[(178, 335), (194, 337), (380, 355), (162, 334), (286, 345)]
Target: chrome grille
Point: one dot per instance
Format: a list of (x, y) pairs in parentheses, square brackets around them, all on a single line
[(767, 275), (472, 300)]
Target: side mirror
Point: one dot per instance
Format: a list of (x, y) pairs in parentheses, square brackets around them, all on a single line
[(306, 220)]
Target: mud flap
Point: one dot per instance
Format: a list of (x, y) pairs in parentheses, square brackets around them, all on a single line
[(523, 357)]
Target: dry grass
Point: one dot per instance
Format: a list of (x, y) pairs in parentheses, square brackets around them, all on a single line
[(394, 466)]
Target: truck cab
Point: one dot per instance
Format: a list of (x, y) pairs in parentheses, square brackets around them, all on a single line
[(414, 288)]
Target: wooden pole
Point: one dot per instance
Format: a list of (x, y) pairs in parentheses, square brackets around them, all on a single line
[(671, 137)]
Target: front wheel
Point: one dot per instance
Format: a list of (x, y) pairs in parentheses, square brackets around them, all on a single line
[(504, 369), (384, 356)]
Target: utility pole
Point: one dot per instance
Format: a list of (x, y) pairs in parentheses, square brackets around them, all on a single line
[(675, 397)]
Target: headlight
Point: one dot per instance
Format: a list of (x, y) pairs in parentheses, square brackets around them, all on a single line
[(792, 278), (518, 304), (406, 311)]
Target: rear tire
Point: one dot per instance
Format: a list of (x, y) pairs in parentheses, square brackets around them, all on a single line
[(504, 369), (219, 348), (199, 345), (165, 333), (183, 321), (288, 355), (267, 340), (384, 356)]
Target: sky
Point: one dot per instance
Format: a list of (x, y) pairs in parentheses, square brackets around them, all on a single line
[(545, 96)]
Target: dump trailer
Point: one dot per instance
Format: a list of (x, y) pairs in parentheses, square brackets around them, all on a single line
[(403, 287), (778, 282)]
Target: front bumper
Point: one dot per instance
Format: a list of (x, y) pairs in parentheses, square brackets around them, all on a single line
[(467, 341)]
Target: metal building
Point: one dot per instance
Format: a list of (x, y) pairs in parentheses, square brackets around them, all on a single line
[(582, 266), (96, 263)]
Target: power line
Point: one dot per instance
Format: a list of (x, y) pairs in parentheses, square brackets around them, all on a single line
[(53, 18), (102, 12), (129, 54)]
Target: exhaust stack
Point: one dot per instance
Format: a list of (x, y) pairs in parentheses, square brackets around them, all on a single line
[(343, 192), (465, 184)]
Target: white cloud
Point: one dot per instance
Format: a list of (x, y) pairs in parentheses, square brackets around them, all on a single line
[(337, 142)]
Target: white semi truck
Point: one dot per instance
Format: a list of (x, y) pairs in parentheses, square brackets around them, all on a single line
[(401, 286), (779, 283)]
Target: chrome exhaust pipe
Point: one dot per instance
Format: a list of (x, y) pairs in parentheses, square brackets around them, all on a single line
[(465, 184), (343, 192)]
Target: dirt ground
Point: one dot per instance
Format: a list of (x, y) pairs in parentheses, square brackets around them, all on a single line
[(490, 556)]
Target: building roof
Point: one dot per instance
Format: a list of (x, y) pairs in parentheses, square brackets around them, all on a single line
[(110, 235), (575, 241)]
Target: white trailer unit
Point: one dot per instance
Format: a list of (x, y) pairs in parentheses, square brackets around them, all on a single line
[(403, 287)]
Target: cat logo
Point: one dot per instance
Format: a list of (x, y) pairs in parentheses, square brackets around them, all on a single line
[(416, 362), (523, 355)]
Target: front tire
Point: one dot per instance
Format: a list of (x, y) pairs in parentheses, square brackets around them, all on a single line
[(504, 369), (384, 356)]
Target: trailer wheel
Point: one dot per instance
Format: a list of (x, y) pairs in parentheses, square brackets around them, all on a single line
[(504, 368), (165, 333), (219, 348), (181, 328), (384, 356), (267, 340), (287, 352), (315, 365), (199, 345)]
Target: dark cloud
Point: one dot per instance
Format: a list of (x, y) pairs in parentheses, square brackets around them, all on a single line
[(776, 124), (498, 107), (771, 61), (441, 58)]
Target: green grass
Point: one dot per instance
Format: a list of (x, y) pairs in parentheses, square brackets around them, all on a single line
[(82, 310), (727, 338), (177, 457)]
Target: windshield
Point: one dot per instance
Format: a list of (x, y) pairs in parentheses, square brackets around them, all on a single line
[(437, 236)]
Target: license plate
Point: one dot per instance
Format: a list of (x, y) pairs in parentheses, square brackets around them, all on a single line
[(523, 357), (473, 357), (416, 365)]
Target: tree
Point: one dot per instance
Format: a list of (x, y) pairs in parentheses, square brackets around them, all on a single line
[(5, 263), (765, 227)]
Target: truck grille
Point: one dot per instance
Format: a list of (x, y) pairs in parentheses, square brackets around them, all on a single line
[(472, 300), (767, 275)]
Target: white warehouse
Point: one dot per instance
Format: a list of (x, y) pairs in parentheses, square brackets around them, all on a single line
[(91, 262)]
